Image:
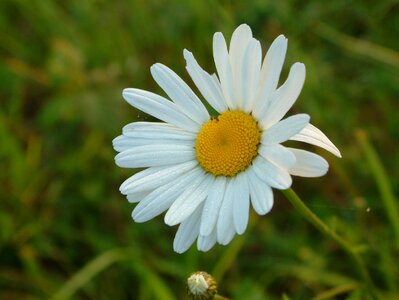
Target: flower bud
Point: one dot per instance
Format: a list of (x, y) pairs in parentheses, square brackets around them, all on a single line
[(201, 286)]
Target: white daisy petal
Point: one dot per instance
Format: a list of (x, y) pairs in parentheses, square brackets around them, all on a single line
[(152, 133), (241, 204), (261, 194), (308, 164), (222, 62), (160, 108), (228, 235), (273, 175), (205, 243), (189, 200), (155, 155), (225, 220), (285, 129), (270, 74), (124, 143), (282, 100), (212, 205), (277, 154), (162, 198), (206, 84), (136, 197), (125, 186), (187, 232), (312, 135), (250, 74), (240, 38), (154, 177), (155, 130), (156, 203), (238, 45), (180, 93)]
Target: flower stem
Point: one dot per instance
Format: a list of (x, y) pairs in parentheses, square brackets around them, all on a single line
[(300, 206)]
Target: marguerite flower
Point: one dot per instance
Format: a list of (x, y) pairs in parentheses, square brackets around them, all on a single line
[(206, 171)]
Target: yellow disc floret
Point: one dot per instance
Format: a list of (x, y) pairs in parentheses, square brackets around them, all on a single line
[(226, 145)]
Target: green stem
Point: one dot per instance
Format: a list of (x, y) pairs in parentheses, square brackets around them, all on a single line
[(300, 206)]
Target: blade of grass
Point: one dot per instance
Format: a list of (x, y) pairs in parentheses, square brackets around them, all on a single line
[(154, 283), (90, 270), (102, 262), (332, 293), (381, 178), (359, 46)]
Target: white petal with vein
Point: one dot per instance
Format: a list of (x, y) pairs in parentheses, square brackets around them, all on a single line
[(272, 174), (278, 154), (261, 193), (189, 200), (282, 99), (238, 45), (250, 72), (187, 232), (160, 108), (285, 129), (180, 93), (123, 143), (154, 177), (136, 197), (241, 204), (270, 74), (225, 224), (206, 84), (212, 205), (308, 164), (312, 135), (162, 198), (155, 155), (205, 243), (222, 62)]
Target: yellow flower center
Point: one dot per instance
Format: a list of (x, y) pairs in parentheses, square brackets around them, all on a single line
[(226, 145)]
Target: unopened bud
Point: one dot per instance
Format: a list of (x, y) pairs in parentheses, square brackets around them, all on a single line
[(201, 286)]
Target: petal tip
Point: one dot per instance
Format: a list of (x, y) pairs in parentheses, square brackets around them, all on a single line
[(153, 67), (299, 67), (281, 41), (169, 219), (218, 36), (281, 37), (127, 94)]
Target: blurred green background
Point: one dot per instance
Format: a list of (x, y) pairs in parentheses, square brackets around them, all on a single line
[(66, 232)]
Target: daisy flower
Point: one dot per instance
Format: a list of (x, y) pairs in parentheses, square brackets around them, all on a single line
[(206, 171)]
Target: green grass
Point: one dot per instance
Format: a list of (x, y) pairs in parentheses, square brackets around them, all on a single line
[(66, 232)]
